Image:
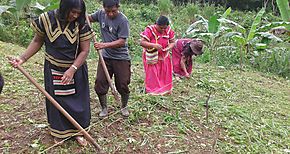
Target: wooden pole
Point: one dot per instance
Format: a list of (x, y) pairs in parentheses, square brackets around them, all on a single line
[(114, 91), (54, 102)]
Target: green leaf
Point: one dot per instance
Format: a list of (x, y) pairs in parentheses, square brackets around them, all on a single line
[(52, 5), (283, 6), (193, 27), (39, 6), (239, 39), (21, 3), (261, 46), (270, 36), (4, 8), (232, 23), (273, 25), (231, 34), (227, 12), (199, 17), (213, 24), (256, 22)]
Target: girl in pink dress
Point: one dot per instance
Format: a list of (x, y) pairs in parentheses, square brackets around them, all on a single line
[(157, 40), (182, 54)]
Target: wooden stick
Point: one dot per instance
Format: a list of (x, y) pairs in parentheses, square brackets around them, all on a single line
[(54, 102), (114, 91)]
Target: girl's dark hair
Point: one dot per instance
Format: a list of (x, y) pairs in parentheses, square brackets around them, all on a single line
[(66, 6), (162, 20), (187, 52)]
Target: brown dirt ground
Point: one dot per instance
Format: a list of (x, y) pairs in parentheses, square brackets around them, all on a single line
[(19, 129)]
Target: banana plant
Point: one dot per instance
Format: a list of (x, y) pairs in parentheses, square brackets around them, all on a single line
[(53, 4), (212, 30), (269, 31), (243, 39), (15, 8), (257, 37)]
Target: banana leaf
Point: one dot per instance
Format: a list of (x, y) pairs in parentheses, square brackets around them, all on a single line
[(4, 8), (272, 25), (269, 36), (227, 12), (256, 22), (213, 24), (283, 6), (232, 23), (21, 3)]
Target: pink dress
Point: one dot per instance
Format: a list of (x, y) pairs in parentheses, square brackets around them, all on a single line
[(158, 76), (176, 58)]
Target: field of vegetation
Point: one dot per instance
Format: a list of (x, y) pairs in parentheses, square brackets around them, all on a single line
[(243, 76)]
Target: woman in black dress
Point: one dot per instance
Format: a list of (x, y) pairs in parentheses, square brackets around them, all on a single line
[(66, 37)]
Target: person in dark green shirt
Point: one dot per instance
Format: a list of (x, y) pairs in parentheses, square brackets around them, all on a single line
[(115, 33)]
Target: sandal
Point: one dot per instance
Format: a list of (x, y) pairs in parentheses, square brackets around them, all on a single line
[(81, 140), (58, 141)]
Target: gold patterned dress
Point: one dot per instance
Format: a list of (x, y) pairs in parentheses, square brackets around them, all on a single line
[(61, 49)]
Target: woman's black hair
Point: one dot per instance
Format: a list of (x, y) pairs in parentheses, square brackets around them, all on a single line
[(66, 6), (162, 20), (186, 51)]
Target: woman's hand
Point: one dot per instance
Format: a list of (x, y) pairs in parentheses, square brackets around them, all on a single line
[(15, 62), (166, 49), (187, 75), (68, 75), (157, 46)]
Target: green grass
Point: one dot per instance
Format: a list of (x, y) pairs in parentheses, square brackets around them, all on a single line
[(249, 112)]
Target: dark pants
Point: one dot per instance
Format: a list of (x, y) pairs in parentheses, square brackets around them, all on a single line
[(122, 74)]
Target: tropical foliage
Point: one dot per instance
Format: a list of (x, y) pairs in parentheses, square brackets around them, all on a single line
[(222, 108)]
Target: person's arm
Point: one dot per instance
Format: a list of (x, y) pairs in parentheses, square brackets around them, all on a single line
[(146, 44), (84, 51), (32, 48), (90, 18), (170, 45), (95, 16), (183, 66), (115, 44)]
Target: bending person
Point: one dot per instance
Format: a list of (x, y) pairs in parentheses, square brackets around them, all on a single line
[(182, 54)]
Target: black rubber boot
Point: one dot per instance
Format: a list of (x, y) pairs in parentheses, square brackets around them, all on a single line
[(124, 108), (103, 103)]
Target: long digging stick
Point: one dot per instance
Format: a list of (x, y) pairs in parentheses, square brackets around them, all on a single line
[(114, 91), (54, 102)]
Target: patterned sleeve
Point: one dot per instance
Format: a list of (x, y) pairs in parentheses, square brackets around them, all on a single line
[(38, 27), (171, 35), (147, 34), (86, 33)]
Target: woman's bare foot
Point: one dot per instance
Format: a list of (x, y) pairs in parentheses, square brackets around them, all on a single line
[(81, 140)]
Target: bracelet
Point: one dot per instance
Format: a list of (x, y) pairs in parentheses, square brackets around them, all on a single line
[(74, 66)]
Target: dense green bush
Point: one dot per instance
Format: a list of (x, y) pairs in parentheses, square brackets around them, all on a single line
[(140, 15)]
